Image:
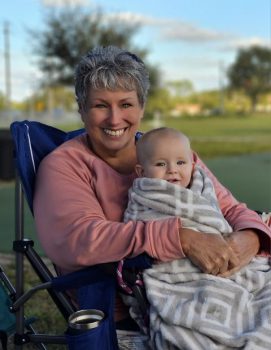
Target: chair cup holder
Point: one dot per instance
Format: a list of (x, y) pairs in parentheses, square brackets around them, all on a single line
[(88, 329)]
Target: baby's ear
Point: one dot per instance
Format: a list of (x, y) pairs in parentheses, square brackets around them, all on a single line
[(193, 166), (139, 170)]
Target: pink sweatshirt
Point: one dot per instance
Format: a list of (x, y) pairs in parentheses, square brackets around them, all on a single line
[(79, 203)]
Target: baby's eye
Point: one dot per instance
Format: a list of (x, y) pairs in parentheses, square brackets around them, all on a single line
[(160, 164), (180, 162)]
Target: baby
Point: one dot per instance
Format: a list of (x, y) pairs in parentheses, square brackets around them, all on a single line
[(188, 306), (165, 159)]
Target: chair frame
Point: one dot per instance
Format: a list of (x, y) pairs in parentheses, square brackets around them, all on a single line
[(24, 248)]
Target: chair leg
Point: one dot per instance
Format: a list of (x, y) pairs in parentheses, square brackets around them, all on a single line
[(23, 248), (19, 259), (20, 337)]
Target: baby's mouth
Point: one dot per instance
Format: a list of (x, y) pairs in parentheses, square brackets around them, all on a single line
[(174, 180)]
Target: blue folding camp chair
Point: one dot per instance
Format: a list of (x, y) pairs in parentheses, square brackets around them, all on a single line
[(32, 142)]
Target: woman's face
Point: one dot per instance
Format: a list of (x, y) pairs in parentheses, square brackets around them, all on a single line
[(111, 120)]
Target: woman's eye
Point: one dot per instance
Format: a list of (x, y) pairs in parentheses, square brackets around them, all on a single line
[(100, 105), (126, 105)]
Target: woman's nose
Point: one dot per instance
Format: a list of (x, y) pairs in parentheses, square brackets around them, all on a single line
[(114, 115)]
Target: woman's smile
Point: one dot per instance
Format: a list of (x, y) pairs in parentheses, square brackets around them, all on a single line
[(114, 133)]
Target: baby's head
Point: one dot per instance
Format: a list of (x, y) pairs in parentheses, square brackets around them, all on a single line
[(165, 153)]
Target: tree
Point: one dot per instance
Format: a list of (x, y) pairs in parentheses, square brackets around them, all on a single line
[(181, 88), (160, 102), (69, 33), (251, 72)]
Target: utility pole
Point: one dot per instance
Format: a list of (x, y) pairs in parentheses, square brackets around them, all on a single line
[(7, 66)]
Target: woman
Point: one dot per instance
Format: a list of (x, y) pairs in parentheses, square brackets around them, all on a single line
[(82, 186)]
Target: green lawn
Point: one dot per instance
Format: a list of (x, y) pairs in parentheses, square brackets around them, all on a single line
[(218, 136), (247, 176), (223, 136), (7, 218)]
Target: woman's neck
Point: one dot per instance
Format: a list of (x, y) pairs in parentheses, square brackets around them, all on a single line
[(122, 161)]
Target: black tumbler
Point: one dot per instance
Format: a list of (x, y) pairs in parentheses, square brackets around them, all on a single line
[(84, 320)]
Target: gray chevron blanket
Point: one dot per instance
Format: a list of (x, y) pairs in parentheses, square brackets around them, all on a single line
[(189, 309)]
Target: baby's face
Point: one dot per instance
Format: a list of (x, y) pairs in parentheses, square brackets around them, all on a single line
[(169, 159)]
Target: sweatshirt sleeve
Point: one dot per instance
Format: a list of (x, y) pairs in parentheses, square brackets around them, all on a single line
[(239, 216), (74, 231)]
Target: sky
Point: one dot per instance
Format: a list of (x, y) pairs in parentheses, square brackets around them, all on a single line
[(187, 39)]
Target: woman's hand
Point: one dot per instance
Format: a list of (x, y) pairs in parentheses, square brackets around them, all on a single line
[(246, 245), (209, 252)]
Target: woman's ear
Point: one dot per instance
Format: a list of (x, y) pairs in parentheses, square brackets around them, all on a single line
[(142, 113), (139, 170), (82, 112)]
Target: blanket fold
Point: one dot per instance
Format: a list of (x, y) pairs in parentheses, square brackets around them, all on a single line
[(154, 199)]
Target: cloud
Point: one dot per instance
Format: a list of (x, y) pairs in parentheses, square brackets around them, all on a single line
[(169, 29), (242, 43), (188, 32), (131, 18), (63, 3)]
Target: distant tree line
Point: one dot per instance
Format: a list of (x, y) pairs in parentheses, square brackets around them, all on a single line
[(70, 32)]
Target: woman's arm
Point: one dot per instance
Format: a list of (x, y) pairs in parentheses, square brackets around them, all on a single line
[(78, 207)]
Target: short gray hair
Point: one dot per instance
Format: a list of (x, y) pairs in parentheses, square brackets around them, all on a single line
[(110, 68)]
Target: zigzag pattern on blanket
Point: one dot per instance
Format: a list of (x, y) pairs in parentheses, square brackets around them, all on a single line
[(156, 199), (200, 311)]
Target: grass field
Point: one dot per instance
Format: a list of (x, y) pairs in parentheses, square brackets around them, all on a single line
[(218, 136), (224, 136)]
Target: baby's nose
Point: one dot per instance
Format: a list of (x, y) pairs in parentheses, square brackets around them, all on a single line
[(172, 168)]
